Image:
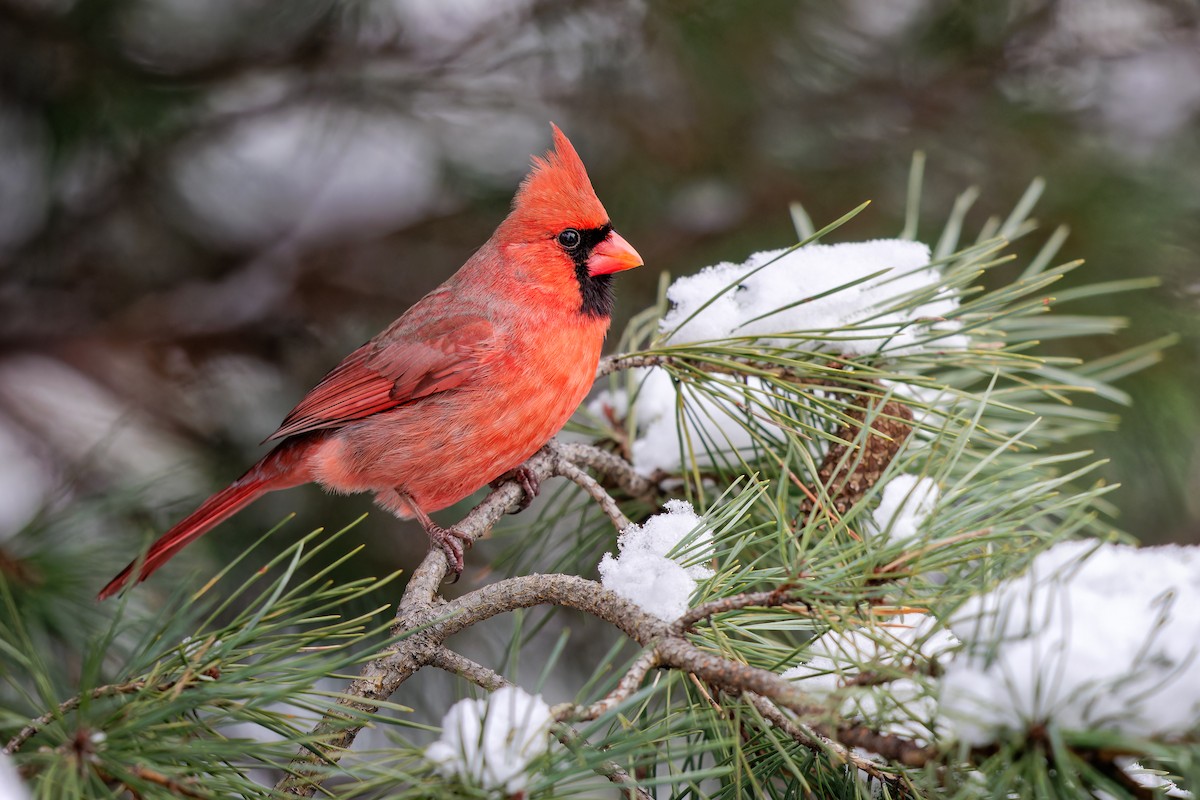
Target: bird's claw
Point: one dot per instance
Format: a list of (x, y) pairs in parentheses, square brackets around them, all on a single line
[(529, 481), (453, 543)]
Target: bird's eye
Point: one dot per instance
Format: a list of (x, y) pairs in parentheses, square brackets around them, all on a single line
[(570, 238)]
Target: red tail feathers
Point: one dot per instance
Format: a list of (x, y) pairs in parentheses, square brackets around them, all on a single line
[(282, 468)]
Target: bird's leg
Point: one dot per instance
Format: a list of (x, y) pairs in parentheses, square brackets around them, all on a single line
[(529, 483), (453, 542)]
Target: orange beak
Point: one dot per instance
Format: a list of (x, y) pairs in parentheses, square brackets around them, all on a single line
[(614, 254)]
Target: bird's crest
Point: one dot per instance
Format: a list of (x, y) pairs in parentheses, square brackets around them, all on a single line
[(557, 192)]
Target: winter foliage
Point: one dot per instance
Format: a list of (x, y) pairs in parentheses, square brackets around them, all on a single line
[(902, 642), (779, 297), (949, 603)]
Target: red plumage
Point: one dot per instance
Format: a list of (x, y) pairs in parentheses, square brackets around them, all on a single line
[(463, 387)]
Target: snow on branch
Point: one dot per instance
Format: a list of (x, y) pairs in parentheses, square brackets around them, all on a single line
[(645, 571), (846, 296), (1093, 636)]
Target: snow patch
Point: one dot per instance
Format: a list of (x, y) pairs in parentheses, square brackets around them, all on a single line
[(11, 787), (776, 292), (902, 706), (718, 427), (1093, 636), (907, 502), (490, 743), (644, 571)]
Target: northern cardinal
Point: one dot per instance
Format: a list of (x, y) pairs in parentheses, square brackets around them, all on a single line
[(466, 385)]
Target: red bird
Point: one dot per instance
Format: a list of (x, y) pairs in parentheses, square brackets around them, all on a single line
[(466, 385)]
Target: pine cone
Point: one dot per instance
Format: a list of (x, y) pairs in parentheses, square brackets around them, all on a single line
[(890, 428)]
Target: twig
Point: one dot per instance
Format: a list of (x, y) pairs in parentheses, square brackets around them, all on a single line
[(569, 591), (706, 694), (566, 469), (735, 677), (610, 466), (769, 599), (181, 788), (817, 742), (628, 684), (70, 704), (611, 364), (892, 748), (574, 742), (483, 677)]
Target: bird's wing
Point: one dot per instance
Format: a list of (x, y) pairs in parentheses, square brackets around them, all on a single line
[(405, 363)]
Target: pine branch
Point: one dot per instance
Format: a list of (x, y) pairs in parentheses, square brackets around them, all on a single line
[(825, 435), (629, 683), (775, 597), (816, 739), (70, 704), (428, 621)]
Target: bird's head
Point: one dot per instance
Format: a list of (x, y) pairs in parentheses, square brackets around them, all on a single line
[(558, 220)]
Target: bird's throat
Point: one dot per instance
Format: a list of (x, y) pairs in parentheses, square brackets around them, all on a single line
[(596, 293)]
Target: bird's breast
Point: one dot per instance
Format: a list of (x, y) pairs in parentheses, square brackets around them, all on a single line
[(443, 447)]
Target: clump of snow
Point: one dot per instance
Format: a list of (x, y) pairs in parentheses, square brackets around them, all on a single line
[(773, 288), (719, 427), (11, 787), (490, 743), (644, 571), (902, 706), (1091, 637), (907, 502)]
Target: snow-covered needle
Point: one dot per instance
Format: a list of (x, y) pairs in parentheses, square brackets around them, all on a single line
[(818, 289), (845, 299), (901, 706)]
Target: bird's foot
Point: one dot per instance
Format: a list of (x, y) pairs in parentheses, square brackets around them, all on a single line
[(453, 543), (529, 483)]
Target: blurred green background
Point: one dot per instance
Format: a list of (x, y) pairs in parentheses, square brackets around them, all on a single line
[(203, 206)]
